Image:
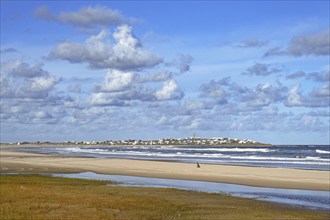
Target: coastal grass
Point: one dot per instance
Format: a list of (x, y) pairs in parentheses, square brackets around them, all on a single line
[(46, 197)]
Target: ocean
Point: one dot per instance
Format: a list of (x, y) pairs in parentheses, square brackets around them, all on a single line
[(312, 157)]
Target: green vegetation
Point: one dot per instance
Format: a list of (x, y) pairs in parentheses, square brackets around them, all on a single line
[(44, 197)]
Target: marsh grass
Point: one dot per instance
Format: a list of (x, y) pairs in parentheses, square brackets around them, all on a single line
[(44, 197)]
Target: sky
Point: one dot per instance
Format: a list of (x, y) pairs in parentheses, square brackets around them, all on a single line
[(101, 70)]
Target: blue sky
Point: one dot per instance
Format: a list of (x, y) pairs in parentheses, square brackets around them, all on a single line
[(146, 70)]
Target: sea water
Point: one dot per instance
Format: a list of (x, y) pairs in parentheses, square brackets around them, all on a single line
[(314, 157)]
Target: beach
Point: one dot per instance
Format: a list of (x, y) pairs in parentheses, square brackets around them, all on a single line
[(29, 196), (21, 162)]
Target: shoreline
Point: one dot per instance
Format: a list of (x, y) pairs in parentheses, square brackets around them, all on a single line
[(6, 145), (21, 162)]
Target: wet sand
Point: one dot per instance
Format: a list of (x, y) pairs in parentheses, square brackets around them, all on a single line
[(21, 162)]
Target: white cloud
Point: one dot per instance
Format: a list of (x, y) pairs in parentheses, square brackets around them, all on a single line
[(295, 75), (194, 105), (263, 95), (319, 76), (305, 122), (116, 81), (169, 91), (317, 44), (99, 53), (70, 51), (315, 76), (18, 68), (85, 17), (42, 115), (126, 87), (42, 84), (157, 77), (20, 80), (294, 96), (104, 99), (215, 90), (128, 51), (323, 91), (261, 69), (313, 44), (195, 124), (318, 97)]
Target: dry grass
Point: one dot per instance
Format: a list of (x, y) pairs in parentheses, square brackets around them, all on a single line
[(43, 197)]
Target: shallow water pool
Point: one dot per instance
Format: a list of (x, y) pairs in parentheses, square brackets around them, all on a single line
[(311, 199)]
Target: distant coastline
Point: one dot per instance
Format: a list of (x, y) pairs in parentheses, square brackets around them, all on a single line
[(189, 141)]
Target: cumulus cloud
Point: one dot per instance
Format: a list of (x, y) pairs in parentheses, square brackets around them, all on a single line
[(315, 76), (261, 69), (98, 52), (191, 105), (86, 17), (42, 115), (319, 76), (28, 94), (105, 99), (318, 97), (18, 68), (214, 89), (224, 92), (266, 94), (263, 95), (42, 84), (305, 122), (116, 81), (158, 77), (323, 91), (317, 44), (70, 51), (294, 96), (296, 75), (121, 88), (169, 91), (130, 98), (20, 80)]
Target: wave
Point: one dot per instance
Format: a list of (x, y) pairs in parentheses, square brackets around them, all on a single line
[(135, 153), (82, 150), (264, 150), (279, 158), (275, 162), (322, 151), (182, 154)]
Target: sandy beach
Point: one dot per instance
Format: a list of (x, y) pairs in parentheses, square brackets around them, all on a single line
[(21, 162)]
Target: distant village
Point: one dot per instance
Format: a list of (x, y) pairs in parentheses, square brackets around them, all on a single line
[(165, 141)]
